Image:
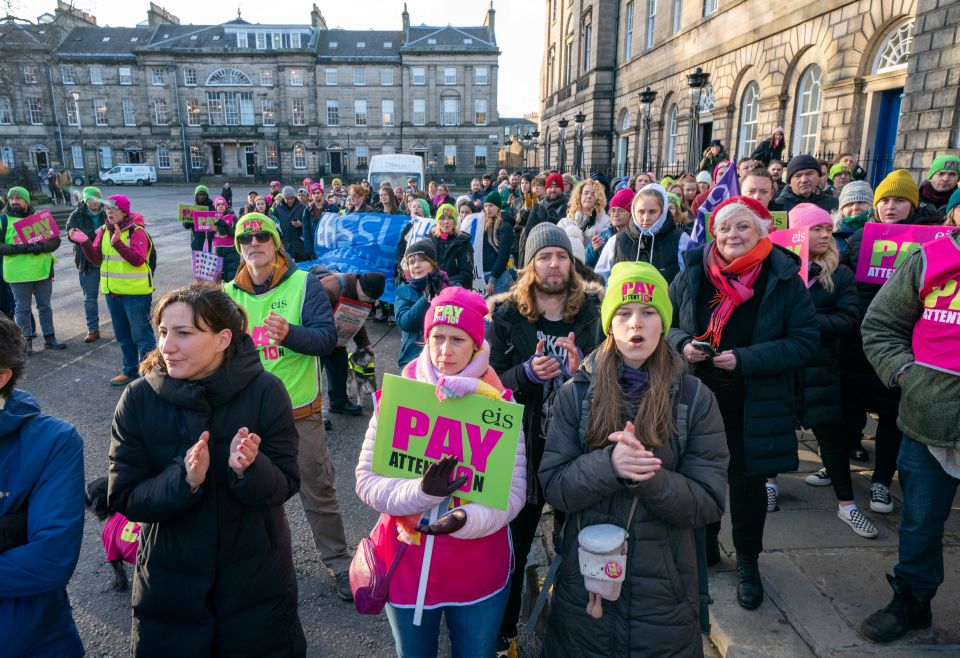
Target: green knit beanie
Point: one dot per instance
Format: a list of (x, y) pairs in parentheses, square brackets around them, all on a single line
[(494, 198), (201, 188), (944, 161), (254, 222), (92, 193), (20, 192), (636, 282)]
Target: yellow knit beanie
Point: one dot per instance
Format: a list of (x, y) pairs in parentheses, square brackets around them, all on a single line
[(898, 183)]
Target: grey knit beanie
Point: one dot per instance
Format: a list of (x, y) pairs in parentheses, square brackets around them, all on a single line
[(856, 190), (288, 192), (545, 235)]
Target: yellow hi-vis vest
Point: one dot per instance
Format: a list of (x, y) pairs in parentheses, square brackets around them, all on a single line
[(300, 373), (117, 276), (22, 268)]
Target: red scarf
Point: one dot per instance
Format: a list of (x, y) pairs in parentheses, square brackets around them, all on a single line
[(734, 283)]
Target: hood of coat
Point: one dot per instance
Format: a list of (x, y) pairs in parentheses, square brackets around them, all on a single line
[(15, 411), (219, 388), (664, 212)]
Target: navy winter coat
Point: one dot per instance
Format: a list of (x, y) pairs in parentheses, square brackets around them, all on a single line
[(41, 472)]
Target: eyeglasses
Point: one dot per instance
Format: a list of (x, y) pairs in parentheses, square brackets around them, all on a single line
[(262, 237)]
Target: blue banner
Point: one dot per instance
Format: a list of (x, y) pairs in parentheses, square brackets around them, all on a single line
[(728, 186), (362, 242)]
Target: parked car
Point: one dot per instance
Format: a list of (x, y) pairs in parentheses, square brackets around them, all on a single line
[(139, 174)]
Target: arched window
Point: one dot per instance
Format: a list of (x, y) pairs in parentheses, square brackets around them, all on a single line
[(806, 124), (299, 157), (895, 49), (749, 113), (673, 132), (625, 122), (228, 78)]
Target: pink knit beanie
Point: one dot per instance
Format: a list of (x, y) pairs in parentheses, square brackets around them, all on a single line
[(622, 199), (457, 307), (806, 215)]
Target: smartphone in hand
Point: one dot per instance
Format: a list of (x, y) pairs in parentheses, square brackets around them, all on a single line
[(705, 347)]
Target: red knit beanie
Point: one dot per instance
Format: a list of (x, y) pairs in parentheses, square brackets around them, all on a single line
[(554, 179)]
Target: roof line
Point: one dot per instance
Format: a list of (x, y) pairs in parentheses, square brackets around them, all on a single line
[(179, 36)]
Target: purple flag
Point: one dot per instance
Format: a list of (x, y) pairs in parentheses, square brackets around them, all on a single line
[(728, 186)]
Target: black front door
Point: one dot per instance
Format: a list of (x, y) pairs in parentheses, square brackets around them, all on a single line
[(251, 163), (336, 162), (217, 159)]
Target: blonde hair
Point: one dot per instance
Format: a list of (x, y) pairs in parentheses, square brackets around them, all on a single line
[(492, 227), (574, 205), (953, 217), (523, 294), (456, 223), (828, 262)]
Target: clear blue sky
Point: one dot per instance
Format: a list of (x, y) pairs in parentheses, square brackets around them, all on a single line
[(519, 25)]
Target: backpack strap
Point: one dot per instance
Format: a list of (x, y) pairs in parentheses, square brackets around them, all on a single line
[(689, 392)]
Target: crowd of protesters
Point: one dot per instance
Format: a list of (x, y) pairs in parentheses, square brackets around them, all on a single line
[(664, 348)]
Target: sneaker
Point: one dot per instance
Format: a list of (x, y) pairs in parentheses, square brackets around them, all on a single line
[(818, 479), (880, 500), (772, 493), (860, 524), (343, 586)]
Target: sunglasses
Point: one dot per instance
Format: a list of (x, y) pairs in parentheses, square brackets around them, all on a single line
[(260, 236)]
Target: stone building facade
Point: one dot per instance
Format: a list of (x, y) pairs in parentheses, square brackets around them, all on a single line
[(242, 100), (832, 73)]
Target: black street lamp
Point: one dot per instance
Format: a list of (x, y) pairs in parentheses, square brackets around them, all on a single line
[(536, 146), (578, 119), (696, 82), (563, 123), (647, 96)]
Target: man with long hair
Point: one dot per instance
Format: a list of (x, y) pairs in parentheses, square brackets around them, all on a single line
[(539, 332)]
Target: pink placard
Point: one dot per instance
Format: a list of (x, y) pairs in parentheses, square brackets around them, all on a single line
[(884, 247), (223, 241), (205, 220), (796, 240), (38, 227)]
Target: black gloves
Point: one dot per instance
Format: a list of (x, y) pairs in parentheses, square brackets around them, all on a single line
[(446, 524), (436, 281), (436, 481), (13, 531)]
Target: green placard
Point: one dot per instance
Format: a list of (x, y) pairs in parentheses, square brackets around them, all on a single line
[(780, 222), (414, 430), (185, 212)]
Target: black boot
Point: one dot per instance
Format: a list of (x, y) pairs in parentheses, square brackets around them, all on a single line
[(29, 347), (905, 613), (749, 587), (51, 343)]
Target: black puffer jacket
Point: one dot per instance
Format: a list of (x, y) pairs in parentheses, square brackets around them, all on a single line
[(766, 151), (785, 338), (214, 569), (513, 340), (658, 611), (820, 393), (455, 257), (788, 199)]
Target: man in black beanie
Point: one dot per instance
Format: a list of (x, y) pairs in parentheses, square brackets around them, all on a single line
[(365, 288), (803, 176)]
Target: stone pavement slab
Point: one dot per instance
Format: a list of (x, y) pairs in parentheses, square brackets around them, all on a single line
[(822, 580)]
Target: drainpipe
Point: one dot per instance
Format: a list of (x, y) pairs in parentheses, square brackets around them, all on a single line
[(56, 117), (613, 90), (183, 133)]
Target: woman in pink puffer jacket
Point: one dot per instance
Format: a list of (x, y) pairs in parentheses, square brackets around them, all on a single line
[(472, 554)]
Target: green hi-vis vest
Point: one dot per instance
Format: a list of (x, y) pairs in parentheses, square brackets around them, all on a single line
[(21, 268), (300, 373), (117, 276)]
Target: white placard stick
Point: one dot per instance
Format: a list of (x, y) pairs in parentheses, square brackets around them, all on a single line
[(425, 568)]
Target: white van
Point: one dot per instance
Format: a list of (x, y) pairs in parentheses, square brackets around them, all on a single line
[(397, 168), (140, 174)]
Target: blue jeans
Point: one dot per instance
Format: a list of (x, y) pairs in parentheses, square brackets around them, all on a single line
[(131, 326), (90, 285), (927, 496), (23, 295), (503, 283), (472, 628)]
